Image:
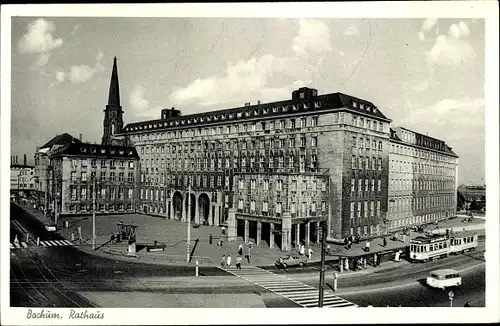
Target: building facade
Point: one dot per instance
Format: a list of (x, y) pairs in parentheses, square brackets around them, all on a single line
[(82, 172), (42, 168), (272, 171), (22, 178), (423, 176), (308, 137)]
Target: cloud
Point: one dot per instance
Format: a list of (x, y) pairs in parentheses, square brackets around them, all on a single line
[(451, 49), (352, 30), (40, 41), (459, 30), (75, 28), (313, 38), (427, 26), (252, 80), (78, 74), (60, 76), (465, 113), (137, 100)]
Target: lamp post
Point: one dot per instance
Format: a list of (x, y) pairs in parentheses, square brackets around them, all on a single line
[(322, 271), (93, 214), (188, 225)]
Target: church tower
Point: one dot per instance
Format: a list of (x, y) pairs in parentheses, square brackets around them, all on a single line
[(113, 114)]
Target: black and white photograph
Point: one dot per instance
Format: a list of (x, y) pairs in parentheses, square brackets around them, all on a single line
[(323, 155)]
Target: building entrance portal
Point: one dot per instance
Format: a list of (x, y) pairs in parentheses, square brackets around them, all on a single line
[(204, 208), (266, 233), (177, 204), (252, 230), (240, 228)]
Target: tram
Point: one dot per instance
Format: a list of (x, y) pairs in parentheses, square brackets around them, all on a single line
[(428, 248)]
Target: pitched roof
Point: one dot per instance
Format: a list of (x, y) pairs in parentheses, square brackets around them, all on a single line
[(62, 139)]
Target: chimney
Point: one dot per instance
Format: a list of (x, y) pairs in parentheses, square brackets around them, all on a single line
[(80, 137), (258, 102), (24, 161)]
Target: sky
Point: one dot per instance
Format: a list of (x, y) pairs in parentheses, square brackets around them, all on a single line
[(424, 74)]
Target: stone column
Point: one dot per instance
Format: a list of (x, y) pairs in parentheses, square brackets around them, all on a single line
[(259, 233), (318, 228), (286, 227), (169, 209), (308, 233), (297, 235), (196, 209), (210, 214), (184, 210), (271, 235), (231, 225), (247, 229), (216, 218)]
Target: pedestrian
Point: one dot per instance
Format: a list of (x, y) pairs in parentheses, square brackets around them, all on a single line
[(309, 253), (385, 241), (240, 250), (238, 262), (327, 251), (249, 255), (367, 246), (223, 261), (302, 250), (228, 261), (223, 230), (210, 238), (349, 244), (375, 260)]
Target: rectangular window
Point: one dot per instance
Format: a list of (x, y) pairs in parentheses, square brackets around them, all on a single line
[(360, 185), (240, 204), (353, 185), (359, 209), (373, 185), (372, 208), (103, 176), (279, 185), (352, 209), (379, 185), (266, 185), (252, 205), (314, 141), (130, 177), (130, 193), (121, 176), (252, 184), (278, 207), (314, 121), (84, 176), (73, 175), (378, 207), (365, 209), (265, 206)]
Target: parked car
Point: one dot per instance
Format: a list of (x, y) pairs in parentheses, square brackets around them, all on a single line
[(290, 260), (51, 227)]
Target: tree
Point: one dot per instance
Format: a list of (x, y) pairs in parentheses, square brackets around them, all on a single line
[(460, 201)]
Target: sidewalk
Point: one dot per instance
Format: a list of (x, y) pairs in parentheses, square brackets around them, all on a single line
[(174, 234)]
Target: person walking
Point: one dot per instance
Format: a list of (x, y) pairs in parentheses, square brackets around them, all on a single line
[(302, 250), (384, 242), (210, 238), (240, 250), (228, 261), (367, 246), (249, 255), (309, 253), (223, 261), (238, 262)]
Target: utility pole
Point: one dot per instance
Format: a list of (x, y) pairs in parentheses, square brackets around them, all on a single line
[(188, 225), (322, 271), (93, 214)]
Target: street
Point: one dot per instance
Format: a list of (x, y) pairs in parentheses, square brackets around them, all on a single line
[(66, 277)]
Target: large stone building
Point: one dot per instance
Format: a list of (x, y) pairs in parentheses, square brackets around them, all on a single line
[(42, 168), (272, 171), (81, 171), (423, 174)]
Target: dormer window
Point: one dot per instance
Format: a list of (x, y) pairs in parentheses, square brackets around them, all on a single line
[(112, 152), (83, 150), (369, 108), (275, 109), (94, 150), (264, 111), (354, 104), (374, 110), (362, 106), (122, 152), (302, 95), (103, 151)]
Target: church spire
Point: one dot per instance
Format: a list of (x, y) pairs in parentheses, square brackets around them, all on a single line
[(114, 89)]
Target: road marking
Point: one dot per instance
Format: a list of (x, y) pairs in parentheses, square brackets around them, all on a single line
[(24, 244), (295, 291), (12, 246)]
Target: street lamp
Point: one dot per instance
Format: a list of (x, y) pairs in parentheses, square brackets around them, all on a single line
[(188, 253)]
